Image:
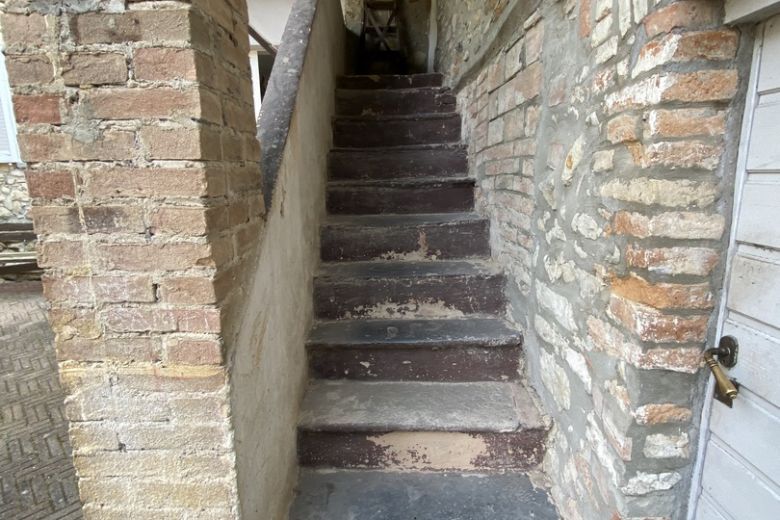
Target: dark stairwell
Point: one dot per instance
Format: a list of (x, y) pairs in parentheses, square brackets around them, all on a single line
[(416, 408)]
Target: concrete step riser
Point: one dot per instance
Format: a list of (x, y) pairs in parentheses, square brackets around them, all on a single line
[(363, 133), (395, 164), (391, 82), (434, 296), (423, 451), (422, 363), (453, 197), (394, 102), (455, 240)]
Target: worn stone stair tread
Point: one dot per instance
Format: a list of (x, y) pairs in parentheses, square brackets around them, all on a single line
[(382, 334), (383, 150), (380, 269), (390, 81), (390, 406), (401, 219), (384, 118), (415, 182), (381, 495)]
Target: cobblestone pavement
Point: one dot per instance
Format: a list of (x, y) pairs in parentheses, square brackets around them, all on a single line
[(37, 479)]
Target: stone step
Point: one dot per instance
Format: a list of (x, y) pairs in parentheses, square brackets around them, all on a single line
[(398, 162), (394, 102), (368, 132), (384, 290), (407, 196), (473, 349), (405, 237), (391, 81), (380, 495), (420, 426)]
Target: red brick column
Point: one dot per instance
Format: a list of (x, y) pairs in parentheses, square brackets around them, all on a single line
[(137, 127)]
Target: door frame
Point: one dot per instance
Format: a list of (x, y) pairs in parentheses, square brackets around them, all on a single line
[(739, 181)]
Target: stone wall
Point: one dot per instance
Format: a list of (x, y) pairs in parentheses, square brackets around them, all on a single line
[(603, 134), (14, 197), (137, 127)]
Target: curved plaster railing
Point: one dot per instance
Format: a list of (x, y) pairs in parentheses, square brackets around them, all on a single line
[(273, 125)]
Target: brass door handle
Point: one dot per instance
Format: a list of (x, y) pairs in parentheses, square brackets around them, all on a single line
[(726, 390)]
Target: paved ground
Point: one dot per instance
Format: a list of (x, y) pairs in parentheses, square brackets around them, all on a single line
[(37, 480)]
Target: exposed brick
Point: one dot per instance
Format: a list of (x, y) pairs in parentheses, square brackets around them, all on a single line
[(152, 103), (585, 23), (155, 257), (698, 261), (113, 219), (75, 290), (24, 30), (55, 219), (194, 352), (54, 146), (622, 128), (148, 182), (144, 319), (132, 26), (167, 64), (653, 414), (198, 320), (65, 254), (173, 379), (50, 184), (657, 327), (671, 48), (181, 143), (685, 122), (679, 225), (43, 108), (118, 289), (528, 83), (670, 193), (681, 154), (188, 291), (29, 69), (687, 14), (664, 295), (94, 69), (705, 85)]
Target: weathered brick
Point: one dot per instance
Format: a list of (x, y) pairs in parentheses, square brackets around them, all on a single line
[(188, 290), (29, 69), (670, 193), (181, 143), (698, 261), (55, 219), (198, 320), (681, 154), (194, 352), (50, 185), (24, 30), (679, 225), (653, 414), (687, 14), (585, 23), (142, 319), (704, 85), (113, 219), (75, 290), (154, 183), (622, 128), (685, 122), (152, 103), (178, 256), (64, 254), (654, 326), (56, 146), (132, 26), (172, 379), (94, 69), (664, 295), (675, 48), (118, 289), (42, 108), (167, 64)]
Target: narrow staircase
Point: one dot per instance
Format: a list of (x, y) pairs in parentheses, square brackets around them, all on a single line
[(415, 409)]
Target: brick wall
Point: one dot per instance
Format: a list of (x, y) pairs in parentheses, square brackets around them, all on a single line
[(603, 135), (136, 124)]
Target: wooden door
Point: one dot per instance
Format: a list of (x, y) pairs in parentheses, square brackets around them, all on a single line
[(740, 463)]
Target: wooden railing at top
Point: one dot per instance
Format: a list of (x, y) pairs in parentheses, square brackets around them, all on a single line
[(265, 44)]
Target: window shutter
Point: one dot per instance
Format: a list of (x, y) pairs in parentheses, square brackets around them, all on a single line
[(9, 148)]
